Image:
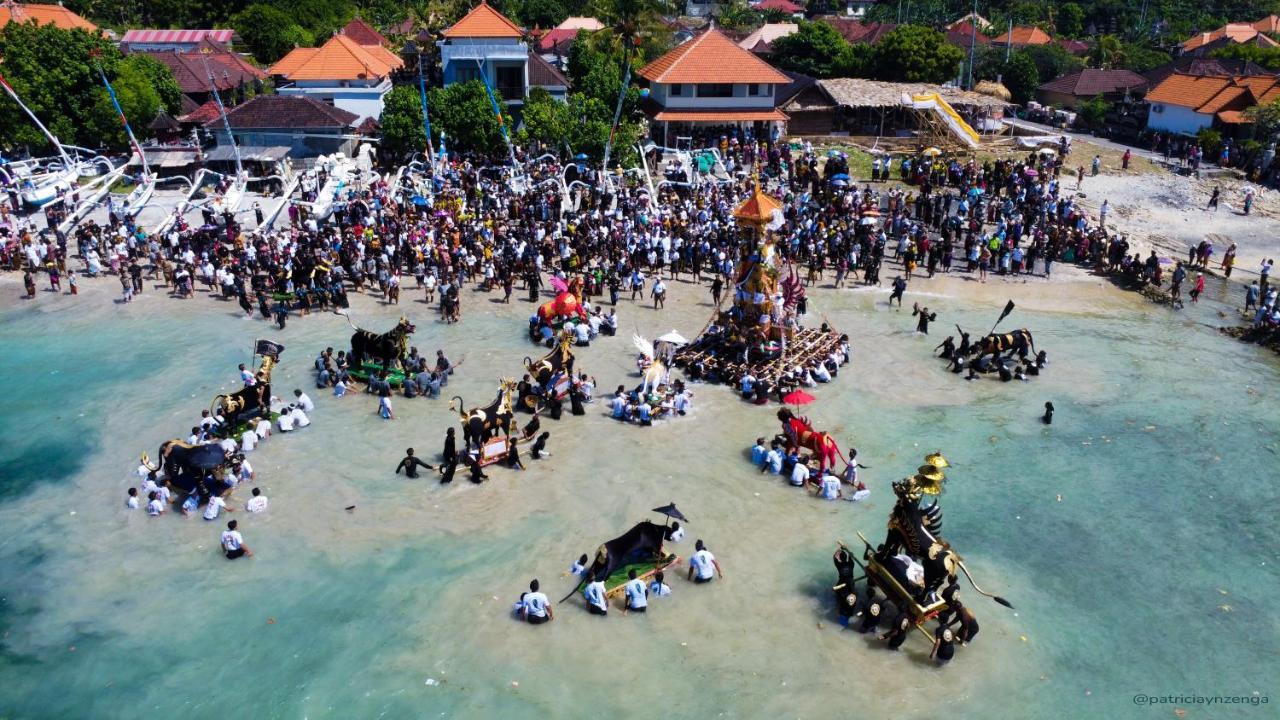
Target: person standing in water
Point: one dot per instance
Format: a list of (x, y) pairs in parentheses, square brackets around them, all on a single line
[(410, 464), (922, 326)]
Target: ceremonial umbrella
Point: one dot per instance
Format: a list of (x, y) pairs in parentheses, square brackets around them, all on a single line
[(931, 152), (419, 200), (674, 338), (840, 176), (798, 397), (839, 183), (1030, 172), (671, 511), (871, 212), (867, 221)]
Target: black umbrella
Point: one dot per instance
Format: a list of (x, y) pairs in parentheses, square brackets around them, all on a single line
[(671, 511)]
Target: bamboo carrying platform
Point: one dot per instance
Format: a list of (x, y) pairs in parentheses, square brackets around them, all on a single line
[(805, 345)]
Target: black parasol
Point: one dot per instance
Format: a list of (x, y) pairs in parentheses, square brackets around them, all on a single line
[(671, 511)]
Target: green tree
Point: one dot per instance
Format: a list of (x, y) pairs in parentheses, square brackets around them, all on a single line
[(55, 72), (1052, 60), (462, 111), (1140, 57), (815, 49), (1094, 111), (544, 14), (1265, 118), (854, 61), (269, 32), (546, 120), (738, 15), (1021, 77), (1070, 20), (1268, 57), (401, 123), (160, 78), (911, 53), (1107, 53)]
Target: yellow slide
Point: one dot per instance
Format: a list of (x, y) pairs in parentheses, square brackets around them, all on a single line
[(933, 102)]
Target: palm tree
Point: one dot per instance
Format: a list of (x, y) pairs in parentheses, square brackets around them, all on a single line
[(629, 21)]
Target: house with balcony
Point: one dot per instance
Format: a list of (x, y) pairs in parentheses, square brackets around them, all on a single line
[(710, 82), (486, 45), (341, 73)]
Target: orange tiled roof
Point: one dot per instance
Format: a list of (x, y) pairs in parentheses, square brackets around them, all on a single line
[(363, 33), (55, 15), (1233, 117), (1235, 32), (484, 22), (1268, 24), (1023, 35), (1224, 98), (340, 58), (296, 58), (1215, 93), (711, 58)]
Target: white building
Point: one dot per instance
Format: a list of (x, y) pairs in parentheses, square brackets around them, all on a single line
[(341, 73)]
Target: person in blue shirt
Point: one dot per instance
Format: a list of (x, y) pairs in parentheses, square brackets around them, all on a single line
[(642, 414), (637, 594), (659, 588), (759, 452), (772, 461), (597, 600)]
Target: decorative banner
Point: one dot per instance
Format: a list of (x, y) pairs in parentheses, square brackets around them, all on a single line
[(267, 348)]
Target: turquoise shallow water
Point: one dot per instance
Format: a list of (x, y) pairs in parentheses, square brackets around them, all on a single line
[(1154, 573)]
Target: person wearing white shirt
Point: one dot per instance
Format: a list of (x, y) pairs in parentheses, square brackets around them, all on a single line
[(248, 441), (675, 534), (229, 445), (300, 418), (534, 606), (303, 401), (659, 588), (594, 593), (285, 421), (799, 474), (579, 567), (582, 333), (257, 503), (636, 592), (263, 429), (244, 470), (233, 543), (131, 500), (155, 508), (619, 406), (215, 506), (703, 565), (830, 487), (772, 462)]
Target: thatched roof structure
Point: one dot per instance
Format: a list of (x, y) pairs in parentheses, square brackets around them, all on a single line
[(993, 89), (860, 93)]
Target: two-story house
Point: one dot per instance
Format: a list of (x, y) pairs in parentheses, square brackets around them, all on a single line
[(486, 45), (341, 73), (710, 81)]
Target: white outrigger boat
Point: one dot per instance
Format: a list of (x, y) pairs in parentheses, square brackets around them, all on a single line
[(44, 181), (342, 173)]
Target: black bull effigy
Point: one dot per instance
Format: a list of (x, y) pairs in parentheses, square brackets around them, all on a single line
[(388, 349), (483, 423)]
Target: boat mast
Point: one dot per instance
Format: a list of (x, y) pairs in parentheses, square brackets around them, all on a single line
[(226, 125), (61, 150), (146, 171)]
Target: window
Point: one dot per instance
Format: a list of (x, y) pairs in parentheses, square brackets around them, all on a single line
[(677, 90), (754, 90), (715, 90), (466, 74)]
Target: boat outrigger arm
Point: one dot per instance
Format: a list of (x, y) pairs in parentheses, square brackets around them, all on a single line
[(289, 181), (47, 186)]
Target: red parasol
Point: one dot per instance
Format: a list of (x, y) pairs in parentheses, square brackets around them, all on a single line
[(798, 397)]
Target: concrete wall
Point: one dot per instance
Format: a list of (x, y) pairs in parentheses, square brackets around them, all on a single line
[(661, 94), (363, 101), (1178, 119)]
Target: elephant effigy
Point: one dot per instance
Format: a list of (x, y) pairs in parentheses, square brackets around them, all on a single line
[(1018, 341), (248, 402), (388, 349), (483, 423), (185, 465), (801, 432), (551, 374)]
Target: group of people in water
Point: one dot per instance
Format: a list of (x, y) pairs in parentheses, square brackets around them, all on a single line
[(214, 485)]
